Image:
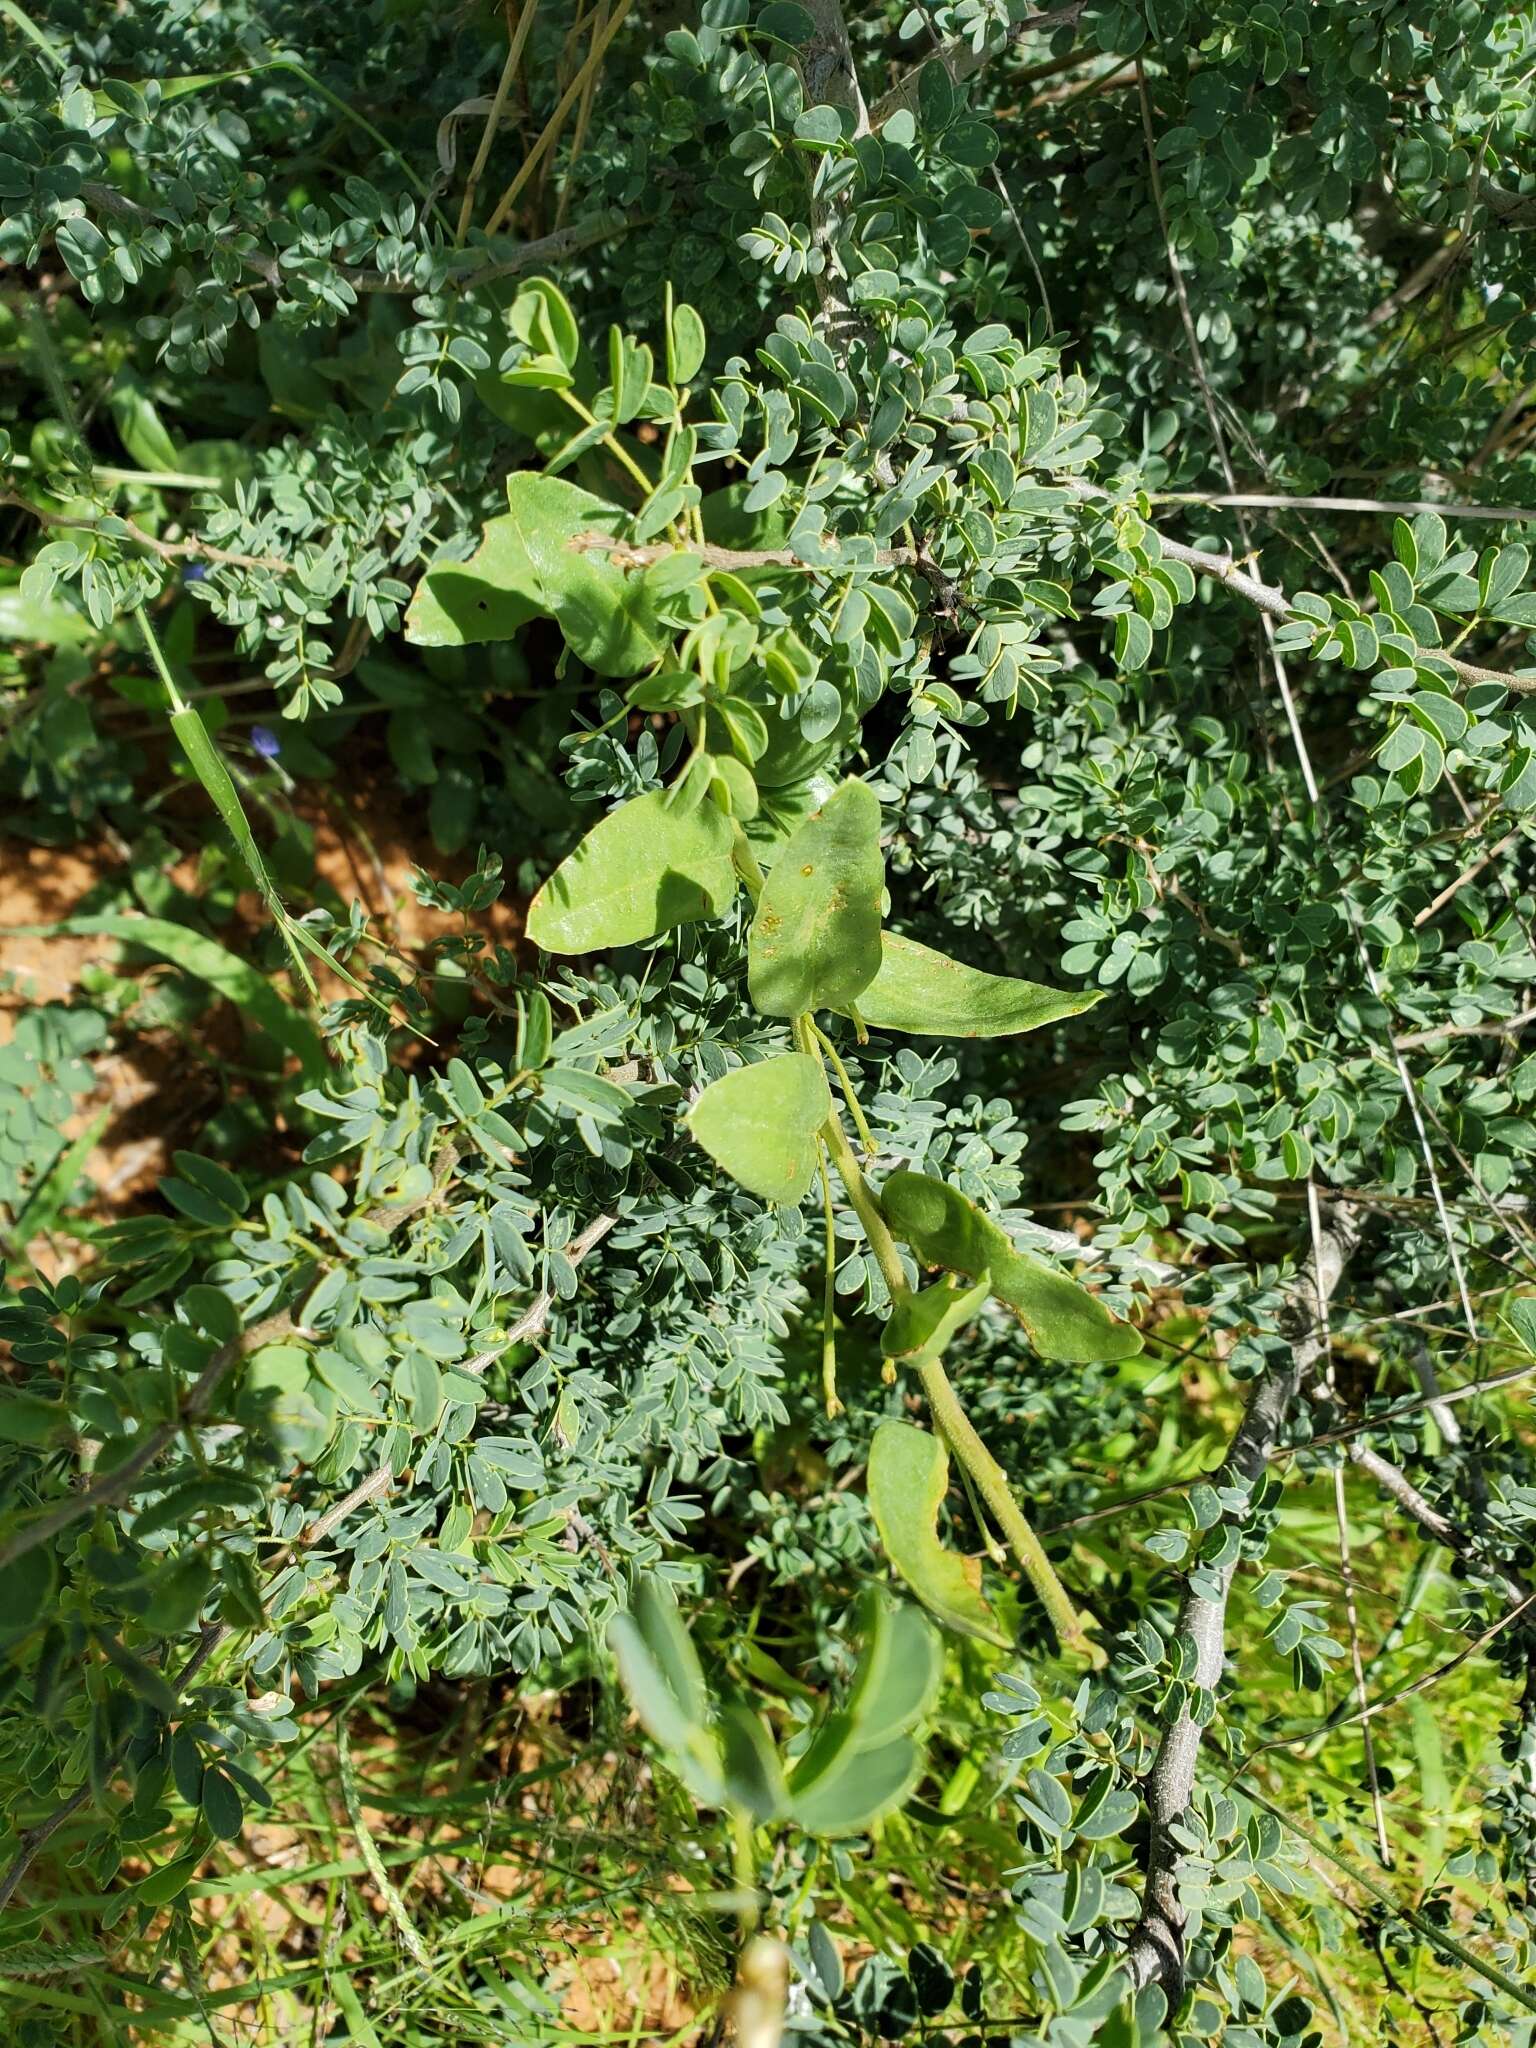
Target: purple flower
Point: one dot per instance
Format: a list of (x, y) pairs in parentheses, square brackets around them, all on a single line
[(266, 742), (195, 572)]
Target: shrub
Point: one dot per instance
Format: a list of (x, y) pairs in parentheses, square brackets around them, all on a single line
[(790, 491)]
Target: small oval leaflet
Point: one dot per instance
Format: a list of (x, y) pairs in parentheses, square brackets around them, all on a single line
[(641, 870), (760, 1124)]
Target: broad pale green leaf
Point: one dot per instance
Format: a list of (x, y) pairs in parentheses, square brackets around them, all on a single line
[(1063, 1320), (898, 1676), (528, 566), (47, 620), (928, 995), (857, 1788), (760, 1124), (753, 1778), (649, 865), (815, 941), (691, 1750), (908, 1475), (667, 1639), (921, 1325)]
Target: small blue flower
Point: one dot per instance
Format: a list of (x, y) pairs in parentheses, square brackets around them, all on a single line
[(266, 742), (194, 572)]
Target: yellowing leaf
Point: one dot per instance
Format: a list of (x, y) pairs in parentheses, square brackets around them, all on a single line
[(928, 995), (649, 865), (1063, 1319), (908, 1477), (815, 941), (760, 1124)]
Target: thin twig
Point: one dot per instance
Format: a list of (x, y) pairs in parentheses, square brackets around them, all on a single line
[(963, 61), (556, 120), (1508, 1027), (1468, 874), (1402, 508), (167, 550)]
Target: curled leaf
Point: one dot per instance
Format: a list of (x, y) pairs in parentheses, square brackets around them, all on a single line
[(908, 1476), (1063, 1320)]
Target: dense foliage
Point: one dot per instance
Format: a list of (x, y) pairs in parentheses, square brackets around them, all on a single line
[(960, 571)]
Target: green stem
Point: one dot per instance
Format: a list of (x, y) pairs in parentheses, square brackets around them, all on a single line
[(992, 1484), (828, 1296), (944, 1403), (846, 1085), (610, 441), (744, 1858), (745, 861)]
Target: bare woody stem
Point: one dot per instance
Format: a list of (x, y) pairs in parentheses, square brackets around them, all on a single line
[(1155, 1954), (959, 1432)]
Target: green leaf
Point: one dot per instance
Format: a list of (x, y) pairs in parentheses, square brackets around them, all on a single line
[(686, 341), (928, 995), (667, 1639), (139, 425), (207, 961), (29, 1583), (815, 941), (908, 1476), (527, 567), (760, 1124), (169, 1881), (647, 866), (753, 1779), (898, 1677), (857, 1789), (221, 1805), (921, 1325), (1063, 1320), (29, 1419), (672, 1721)]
